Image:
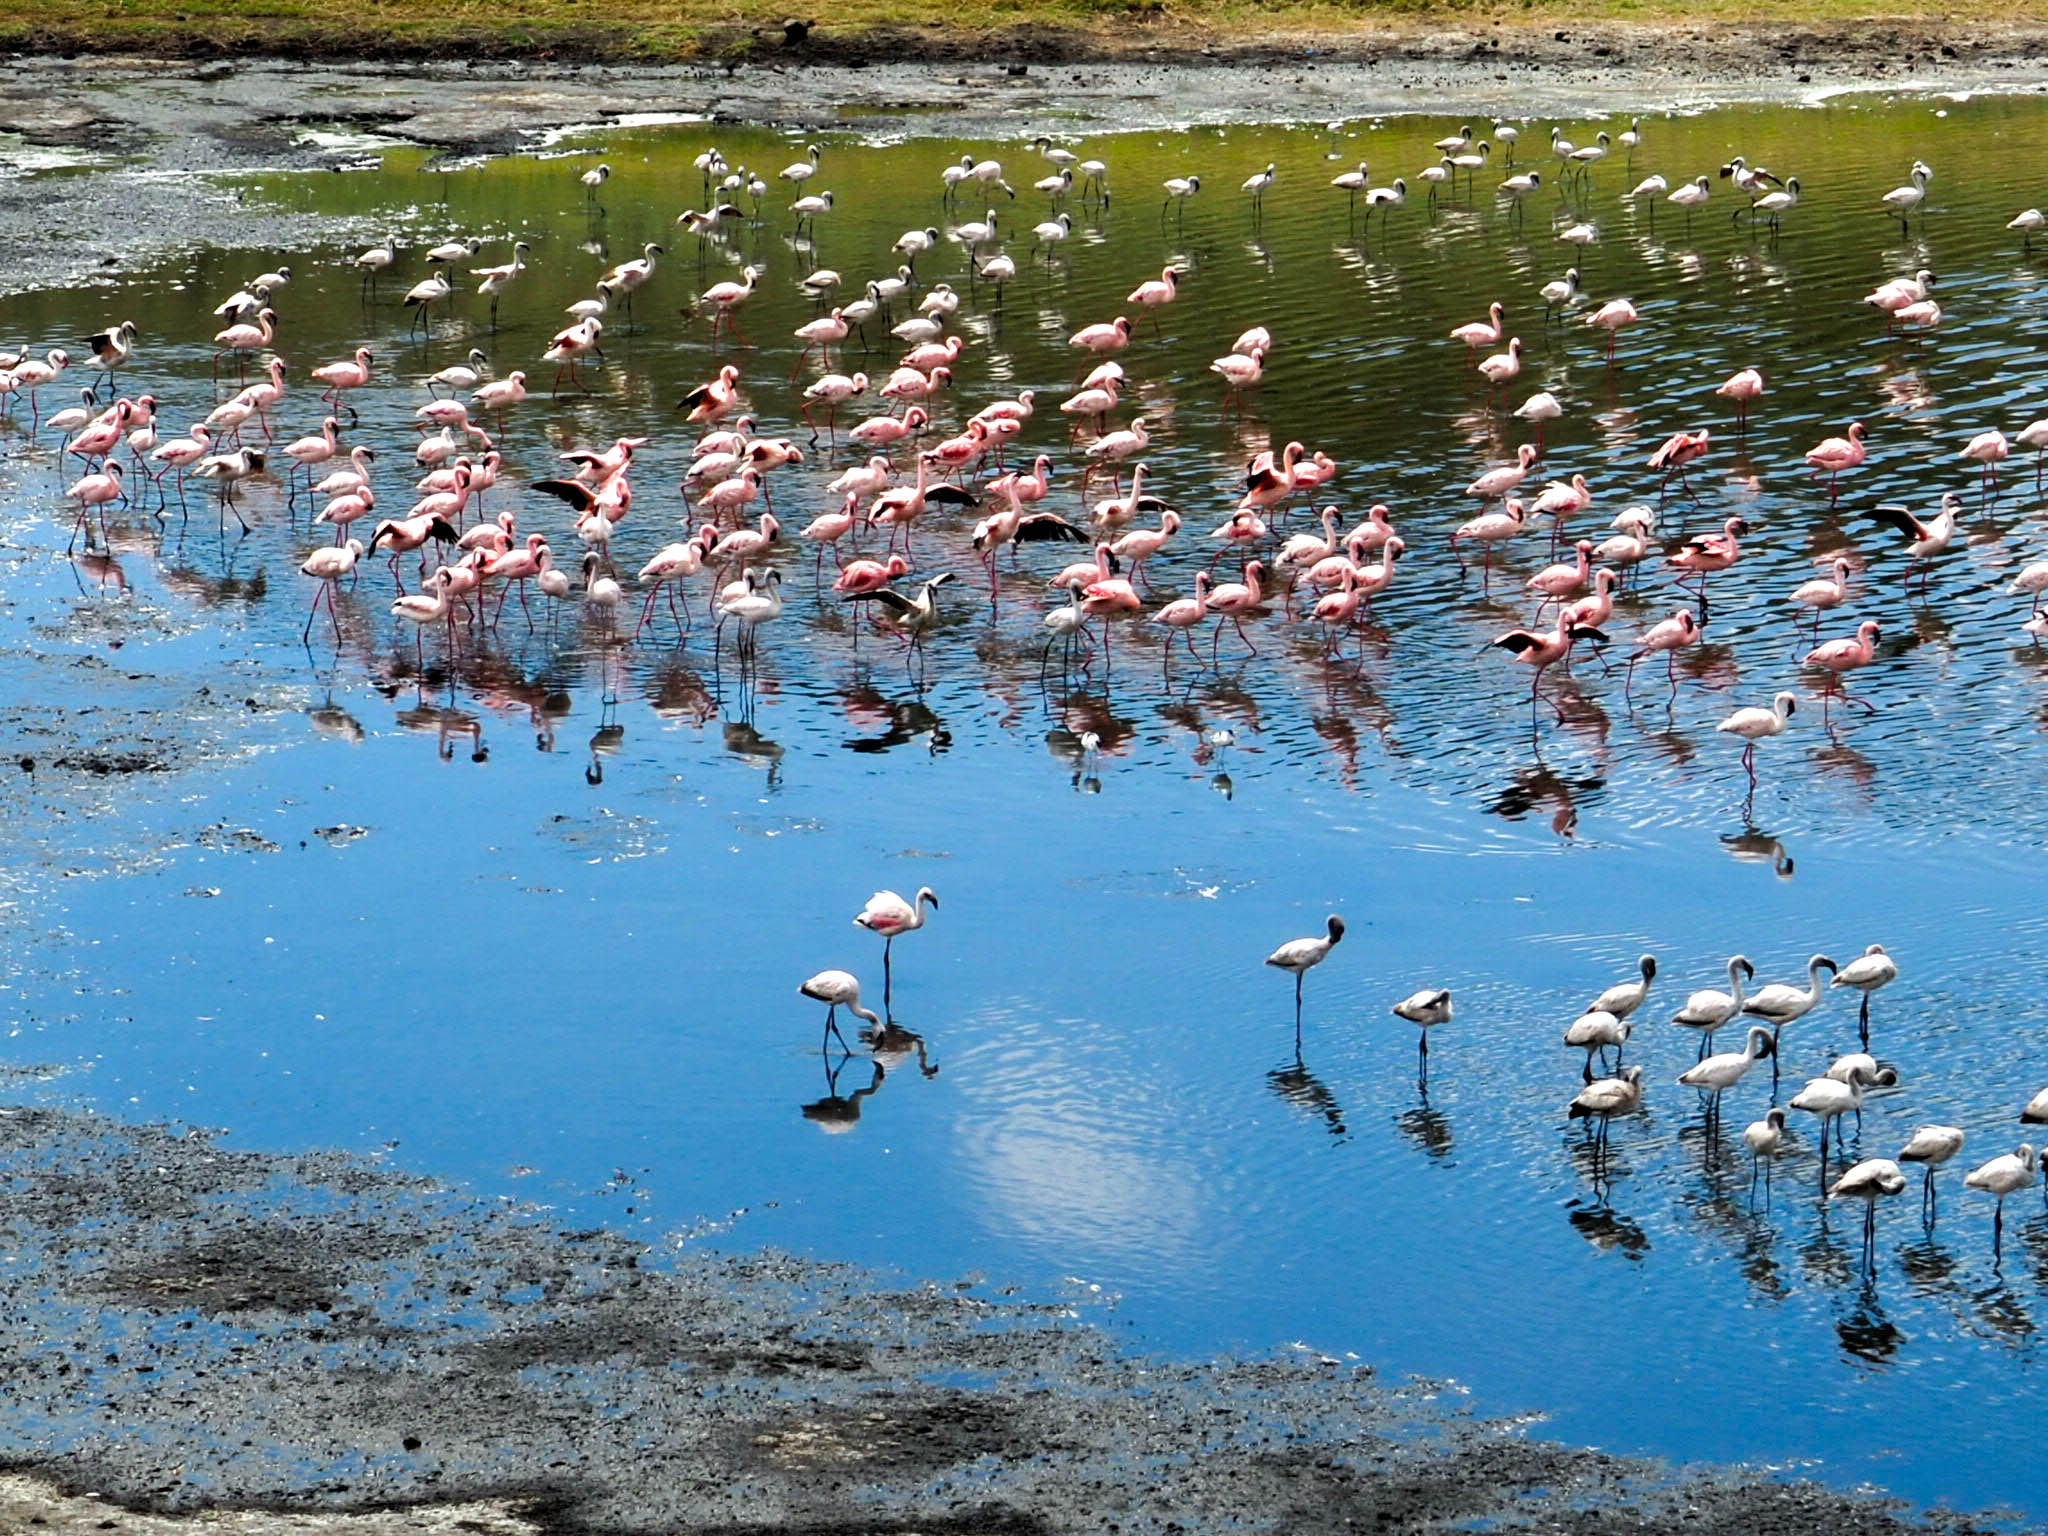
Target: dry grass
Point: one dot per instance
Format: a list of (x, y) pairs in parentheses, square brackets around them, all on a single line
[(654, 30)]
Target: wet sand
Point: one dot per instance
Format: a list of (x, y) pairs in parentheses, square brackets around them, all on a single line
[(359, 1351)]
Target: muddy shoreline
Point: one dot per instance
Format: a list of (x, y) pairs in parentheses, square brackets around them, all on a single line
[(342, 1347)]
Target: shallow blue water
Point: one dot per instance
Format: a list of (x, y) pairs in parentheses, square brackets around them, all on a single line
[(568, 974)]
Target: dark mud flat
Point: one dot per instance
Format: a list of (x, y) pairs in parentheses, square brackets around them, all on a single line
[(190, 1329)]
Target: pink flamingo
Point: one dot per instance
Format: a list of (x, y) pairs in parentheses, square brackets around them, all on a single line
[(1329, 573), (1543, 649), (745, 545), (1305, 549), (1558, 582), (1182, 615), (1611, 317), (1593, 611), (1985, 450), (1677, 453), (1114, 512), (89, 491), (1630, 544), (1239, 529), (1836, 454), (1239, 372), (239, 340), (1104, 600), (1233, 600), (1112, 448), (1484, 333), (903, 505), (914, 384), (181, 453), (573, 343), (888, 431), (1505, 478), (832, 391), (1562, 499), (672, 565), (1666, 637), (1141, 544), (1375, 579), (1333, 610), (1010, 524), (821, 333), (1374, 529), (516, 567), (403, 535), (714, 399), (1086, 573), (1269, 481), (1924, 540), (1823, 592), (1841, 657), (348, 507), (1487, 530), (1711, 552), (1156, 292), (827, 529), (327, 566), (1743, 388), (1026, 488), (1109, 336), (1503, 367), (858, 577), (351, 373)]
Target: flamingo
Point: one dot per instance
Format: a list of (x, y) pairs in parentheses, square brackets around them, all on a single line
[(1869, 972), (1597, 1030), (1753, 725), (1300, 956), (1841, 657), (1708, 1009), (1543, 649), (1489, 529), (1668, 637), (1835, 454), (1484, 333), (1611, 317), (1505, 478), (1823, 592), (1540, 409), (2000, 1177), (889, 915), (1233, 600), (1709, 553)]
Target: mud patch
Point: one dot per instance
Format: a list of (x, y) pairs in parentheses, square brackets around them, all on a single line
[(297, 1346)]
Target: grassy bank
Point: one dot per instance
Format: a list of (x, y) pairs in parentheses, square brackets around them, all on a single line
[(868, 31)]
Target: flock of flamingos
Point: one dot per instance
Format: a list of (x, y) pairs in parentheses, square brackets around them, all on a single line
[(902, 473)]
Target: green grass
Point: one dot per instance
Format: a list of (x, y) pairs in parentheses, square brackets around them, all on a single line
[(662, 30)]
